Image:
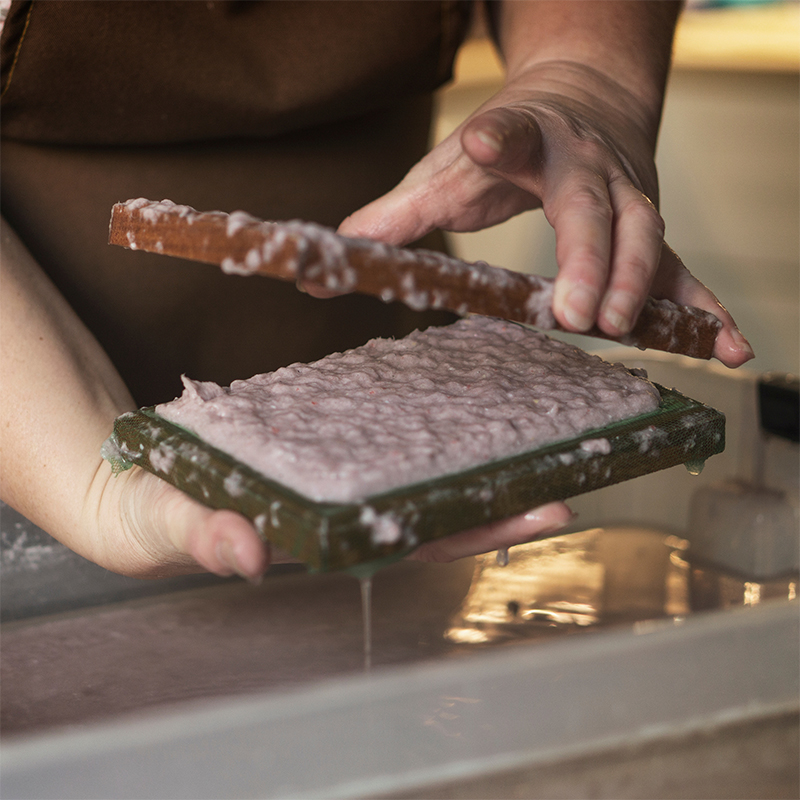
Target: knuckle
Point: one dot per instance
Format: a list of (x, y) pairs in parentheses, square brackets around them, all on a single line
[(638, 274), (639, 209), (647, 215), (586, 199)]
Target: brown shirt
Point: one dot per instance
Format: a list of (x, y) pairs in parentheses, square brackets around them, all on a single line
[(284, 109), (149, 72)]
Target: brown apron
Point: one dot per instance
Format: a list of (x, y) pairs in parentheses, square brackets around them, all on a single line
[(286, 110)]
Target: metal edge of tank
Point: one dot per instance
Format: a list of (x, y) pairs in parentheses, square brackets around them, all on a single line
[(412, 727)]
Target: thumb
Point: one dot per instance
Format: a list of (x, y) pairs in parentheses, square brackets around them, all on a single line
[(223, 542), (391, 219), (453, 187), (166, 532), (504, 139)]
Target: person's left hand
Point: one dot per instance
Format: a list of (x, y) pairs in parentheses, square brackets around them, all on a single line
[(151, 529)]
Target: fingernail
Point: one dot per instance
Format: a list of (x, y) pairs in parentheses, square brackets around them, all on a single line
[(549, 529), (742, 343), (618, 311), (489, 140), (539, 515), (579, 307)]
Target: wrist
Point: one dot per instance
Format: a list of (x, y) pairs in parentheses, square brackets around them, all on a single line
[(626, 41), (590, 92)]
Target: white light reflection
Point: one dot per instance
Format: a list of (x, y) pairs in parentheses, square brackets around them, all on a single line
[(447, 718), (467, 636), (752, 593)]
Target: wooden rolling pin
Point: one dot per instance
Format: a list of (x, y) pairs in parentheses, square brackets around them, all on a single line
[(243, 245)]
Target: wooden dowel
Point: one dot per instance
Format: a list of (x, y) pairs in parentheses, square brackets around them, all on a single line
[(243, 245)]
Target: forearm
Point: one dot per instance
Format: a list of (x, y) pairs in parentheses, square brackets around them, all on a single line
[(60, 396), (626, 41)]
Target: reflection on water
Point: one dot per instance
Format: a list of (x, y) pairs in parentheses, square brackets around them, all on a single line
[(595, 578), (716, 589)]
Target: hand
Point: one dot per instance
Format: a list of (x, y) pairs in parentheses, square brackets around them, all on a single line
[(150, 529), (52, 472), (153, 530), (565, 138)]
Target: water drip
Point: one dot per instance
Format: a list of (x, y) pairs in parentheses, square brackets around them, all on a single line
[(364, 573), (366, 618)]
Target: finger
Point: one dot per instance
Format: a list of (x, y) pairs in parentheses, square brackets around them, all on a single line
[(731, 347), (636, 251), (445, 190), (316, 290), (225, 543), (395, 218), (497, 535), (504, 139), (391, 219), (581, 216), (674, 282)]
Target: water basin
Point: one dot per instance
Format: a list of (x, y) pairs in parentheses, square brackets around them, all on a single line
[(232, 639)]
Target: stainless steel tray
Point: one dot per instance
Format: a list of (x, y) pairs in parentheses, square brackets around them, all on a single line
[(332, 536)]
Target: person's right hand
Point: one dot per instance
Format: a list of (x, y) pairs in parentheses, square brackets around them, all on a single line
[(561, 137)]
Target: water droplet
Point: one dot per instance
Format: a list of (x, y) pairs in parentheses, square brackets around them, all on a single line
[(695, 467), (363, 572), (502, 557)]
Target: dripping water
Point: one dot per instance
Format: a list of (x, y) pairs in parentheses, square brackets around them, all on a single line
[(695, 467), (364, 573), (502, 557), (366, 619)]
